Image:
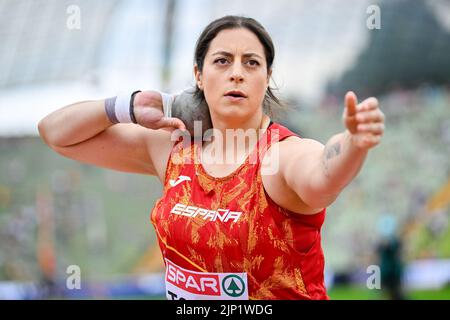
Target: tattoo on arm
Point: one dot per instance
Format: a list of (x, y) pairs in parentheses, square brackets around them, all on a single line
[(334, 150), (330, 152)]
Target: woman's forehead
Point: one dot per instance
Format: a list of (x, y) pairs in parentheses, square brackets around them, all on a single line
[(236, 41)]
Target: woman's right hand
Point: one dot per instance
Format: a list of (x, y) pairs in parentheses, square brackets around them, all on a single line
[(148, 111)]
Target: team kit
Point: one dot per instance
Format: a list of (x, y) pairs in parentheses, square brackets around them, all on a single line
[(224, 238)]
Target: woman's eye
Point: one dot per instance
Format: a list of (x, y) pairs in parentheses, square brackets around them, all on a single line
[(221, 61), (253, 63)]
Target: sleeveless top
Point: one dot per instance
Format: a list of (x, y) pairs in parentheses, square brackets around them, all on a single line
[(225, 238)]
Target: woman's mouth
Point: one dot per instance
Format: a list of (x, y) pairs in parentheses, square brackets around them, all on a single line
[(235, 96)]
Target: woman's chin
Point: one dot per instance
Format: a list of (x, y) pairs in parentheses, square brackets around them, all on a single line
[(232, 111)]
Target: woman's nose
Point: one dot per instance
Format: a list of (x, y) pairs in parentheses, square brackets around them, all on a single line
[(236, 74)]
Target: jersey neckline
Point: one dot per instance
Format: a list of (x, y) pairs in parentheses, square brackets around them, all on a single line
[(238, 169)]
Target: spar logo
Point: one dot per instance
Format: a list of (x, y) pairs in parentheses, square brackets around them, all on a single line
[(193, 282), (233, 285)]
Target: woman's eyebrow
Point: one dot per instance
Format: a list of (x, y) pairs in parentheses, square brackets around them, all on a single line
[(228, 54)]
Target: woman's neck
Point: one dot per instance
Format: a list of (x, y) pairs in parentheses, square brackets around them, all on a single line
[(236, 140)]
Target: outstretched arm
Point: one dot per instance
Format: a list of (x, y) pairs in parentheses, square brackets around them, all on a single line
[(319, 173)]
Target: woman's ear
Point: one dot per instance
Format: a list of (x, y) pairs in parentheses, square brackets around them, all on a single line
[(198, 77)]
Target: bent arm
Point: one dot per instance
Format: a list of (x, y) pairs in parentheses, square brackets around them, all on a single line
[(74, 123), (83, 132)]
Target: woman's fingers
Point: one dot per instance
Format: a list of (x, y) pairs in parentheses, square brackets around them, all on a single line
[(365, 121), (350, 111), (374, 128), (351, 102), (368, 104), (170, 124), (149, 113), (369, 116)]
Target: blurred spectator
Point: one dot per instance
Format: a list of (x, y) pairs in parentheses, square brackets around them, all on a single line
[(389, 252)]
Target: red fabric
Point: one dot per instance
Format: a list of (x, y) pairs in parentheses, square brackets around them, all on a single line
[(280, 250)]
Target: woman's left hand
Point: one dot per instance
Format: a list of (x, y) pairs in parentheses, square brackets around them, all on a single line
[(364, 121)]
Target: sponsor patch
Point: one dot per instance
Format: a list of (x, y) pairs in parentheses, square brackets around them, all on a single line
[(183, 284)]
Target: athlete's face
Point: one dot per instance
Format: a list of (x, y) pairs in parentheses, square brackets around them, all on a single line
[(235, 61)]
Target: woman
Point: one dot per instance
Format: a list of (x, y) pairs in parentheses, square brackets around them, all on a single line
[(227, 230)]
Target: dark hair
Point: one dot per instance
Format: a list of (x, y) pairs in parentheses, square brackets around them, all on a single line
[(271, 101)]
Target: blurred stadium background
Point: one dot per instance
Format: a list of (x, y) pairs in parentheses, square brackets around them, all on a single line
[(55, 212)]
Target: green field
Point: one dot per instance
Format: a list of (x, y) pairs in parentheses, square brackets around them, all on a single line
[(361, 293), (347, 293)]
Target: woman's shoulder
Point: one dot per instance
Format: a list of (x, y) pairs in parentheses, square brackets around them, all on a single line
[(160, 147), (278, 159)]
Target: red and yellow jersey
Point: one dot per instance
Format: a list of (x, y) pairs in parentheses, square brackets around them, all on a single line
[(225, 238)]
